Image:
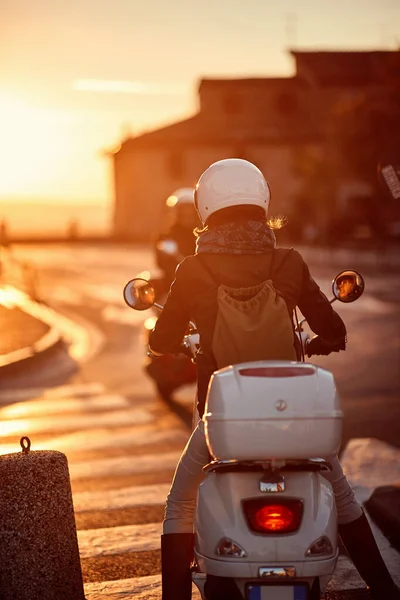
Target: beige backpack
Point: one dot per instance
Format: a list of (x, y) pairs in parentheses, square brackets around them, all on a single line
[(252, 324)]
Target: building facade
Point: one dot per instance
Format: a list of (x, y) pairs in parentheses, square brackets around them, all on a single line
[(273, 122)]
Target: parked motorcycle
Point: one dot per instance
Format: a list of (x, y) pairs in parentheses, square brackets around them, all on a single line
[(265, 523)]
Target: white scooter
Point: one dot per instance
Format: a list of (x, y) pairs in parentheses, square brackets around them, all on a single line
[(265, 524)]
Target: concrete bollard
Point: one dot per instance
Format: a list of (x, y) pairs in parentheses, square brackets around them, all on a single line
[(39, 554)]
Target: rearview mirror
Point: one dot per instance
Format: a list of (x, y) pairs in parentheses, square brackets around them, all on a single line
[(139, 294), (348, 286)]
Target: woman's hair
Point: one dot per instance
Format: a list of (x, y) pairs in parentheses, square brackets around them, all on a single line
[(243, 212)]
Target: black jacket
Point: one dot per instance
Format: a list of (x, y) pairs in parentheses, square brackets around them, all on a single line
[(193, 296)]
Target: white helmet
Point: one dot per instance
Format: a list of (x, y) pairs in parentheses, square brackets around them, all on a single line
[(181, 196), (230, 182)]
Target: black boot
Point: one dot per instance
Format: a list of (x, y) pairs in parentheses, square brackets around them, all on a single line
[(176, 557), (359, 541)]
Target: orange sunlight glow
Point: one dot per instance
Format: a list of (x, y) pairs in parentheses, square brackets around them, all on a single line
[(129, 87), (52, 154), (30, 149)]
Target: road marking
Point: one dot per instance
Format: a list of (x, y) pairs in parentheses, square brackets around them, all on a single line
[(124, 465), (140, 588), (119, 540), (102, 439), (129, 436), (63, 405), (121, 498), (76, 390), (48, 424)]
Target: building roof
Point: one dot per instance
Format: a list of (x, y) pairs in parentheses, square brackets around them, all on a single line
[(348, 68), (200, 130), (207, 128), (251, 83)]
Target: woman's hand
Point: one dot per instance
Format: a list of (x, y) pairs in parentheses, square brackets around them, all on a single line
[(319, 347)]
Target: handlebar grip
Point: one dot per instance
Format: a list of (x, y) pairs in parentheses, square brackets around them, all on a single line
[(186, 350)]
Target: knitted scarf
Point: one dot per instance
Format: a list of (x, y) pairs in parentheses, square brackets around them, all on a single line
[(246, 237)]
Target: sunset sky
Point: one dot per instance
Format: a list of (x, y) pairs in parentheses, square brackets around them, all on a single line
[(77, 75)]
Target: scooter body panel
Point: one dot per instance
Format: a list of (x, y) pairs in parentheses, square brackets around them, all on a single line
[(220, 515)]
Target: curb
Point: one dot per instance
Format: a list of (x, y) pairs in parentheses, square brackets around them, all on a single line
[(82, 339), (47, 342), (78, 337)]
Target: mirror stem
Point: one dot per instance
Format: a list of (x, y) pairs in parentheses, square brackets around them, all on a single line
[(332, 300)]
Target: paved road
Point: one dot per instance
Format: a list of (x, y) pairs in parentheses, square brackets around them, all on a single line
[(123, 443)]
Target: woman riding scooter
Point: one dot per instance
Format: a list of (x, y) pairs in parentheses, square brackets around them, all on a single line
[(237, 247)]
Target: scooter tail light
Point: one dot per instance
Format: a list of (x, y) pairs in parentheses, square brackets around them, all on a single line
[(321, 547), (273, 516), (227, 547)]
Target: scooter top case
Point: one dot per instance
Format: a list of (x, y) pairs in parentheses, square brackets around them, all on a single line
[(268, 409)]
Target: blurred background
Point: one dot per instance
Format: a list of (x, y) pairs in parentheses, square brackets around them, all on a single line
[(107, 106)]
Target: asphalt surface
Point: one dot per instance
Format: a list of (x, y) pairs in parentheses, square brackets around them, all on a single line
[(86, 284)]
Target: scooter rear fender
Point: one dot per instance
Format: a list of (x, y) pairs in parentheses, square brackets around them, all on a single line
[(220, 514)]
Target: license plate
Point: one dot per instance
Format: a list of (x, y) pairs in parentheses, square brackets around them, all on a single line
[(277, 592)]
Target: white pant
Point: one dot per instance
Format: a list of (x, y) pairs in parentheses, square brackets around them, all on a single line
[(181, 500)]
